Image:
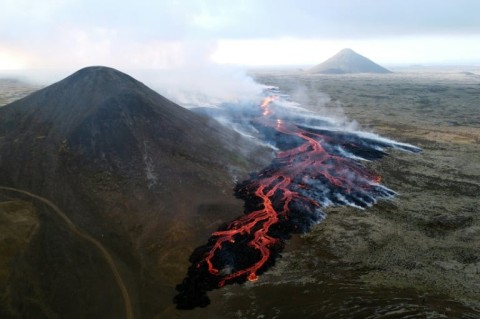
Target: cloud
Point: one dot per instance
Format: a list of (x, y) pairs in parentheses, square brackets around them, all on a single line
[(149, 33), (172, 20)]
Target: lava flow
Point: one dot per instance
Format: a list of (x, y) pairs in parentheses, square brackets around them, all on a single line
[(316, 166)]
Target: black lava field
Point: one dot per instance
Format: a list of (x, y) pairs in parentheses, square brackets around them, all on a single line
[(318, 163)]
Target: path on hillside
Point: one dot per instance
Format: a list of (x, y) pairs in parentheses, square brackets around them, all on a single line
[(75, 230)]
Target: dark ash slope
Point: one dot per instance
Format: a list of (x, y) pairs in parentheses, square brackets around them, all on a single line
[(129, 167)]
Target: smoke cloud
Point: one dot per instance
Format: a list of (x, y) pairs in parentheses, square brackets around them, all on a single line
[(207, 85), (193, 80), (181, 71)]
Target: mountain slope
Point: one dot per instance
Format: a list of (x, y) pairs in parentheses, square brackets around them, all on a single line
[(348, 61), (139, 174)]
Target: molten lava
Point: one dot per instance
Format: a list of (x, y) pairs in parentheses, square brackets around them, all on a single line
[(265, 105), (314, 168)]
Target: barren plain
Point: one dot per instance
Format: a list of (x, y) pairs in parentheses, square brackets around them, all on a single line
[(419, 254)]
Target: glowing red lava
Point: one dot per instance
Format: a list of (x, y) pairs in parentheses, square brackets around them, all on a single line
[(315, 167), (312, 155)]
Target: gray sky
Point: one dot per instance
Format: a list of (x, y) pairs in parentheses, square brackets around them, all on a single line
[(166, 33)]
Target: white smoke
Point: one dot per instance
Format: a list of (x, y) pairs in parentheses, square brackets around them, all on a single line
[(195, 81), (207, 85), (182, 71), (319, 102)]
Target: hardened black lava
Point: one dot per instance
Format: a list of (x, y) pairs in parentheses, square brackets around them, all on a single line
[(316, 165)]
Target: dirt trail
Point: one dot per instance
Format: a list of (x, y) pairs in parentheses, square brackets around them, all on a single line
[(118, 278)]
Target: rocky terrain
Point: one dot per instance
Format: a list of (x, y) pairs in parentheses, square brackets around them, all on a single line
[(415, 256)]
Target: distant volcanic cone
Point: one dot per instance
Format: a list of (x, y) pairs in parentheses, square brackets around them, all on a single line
[(348, 61), (130, 168)]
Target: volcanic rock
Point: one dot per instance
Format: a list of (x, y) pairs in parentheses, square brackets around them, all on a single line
[(133, 170), (348, 61)]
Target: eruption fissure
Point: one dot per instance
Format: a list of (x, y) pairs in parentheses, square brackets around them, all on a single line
[(315, 167)]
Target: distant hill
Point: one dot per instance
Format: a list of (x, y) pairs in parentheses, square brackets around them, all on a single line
[(348, 61), (142, 175)]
